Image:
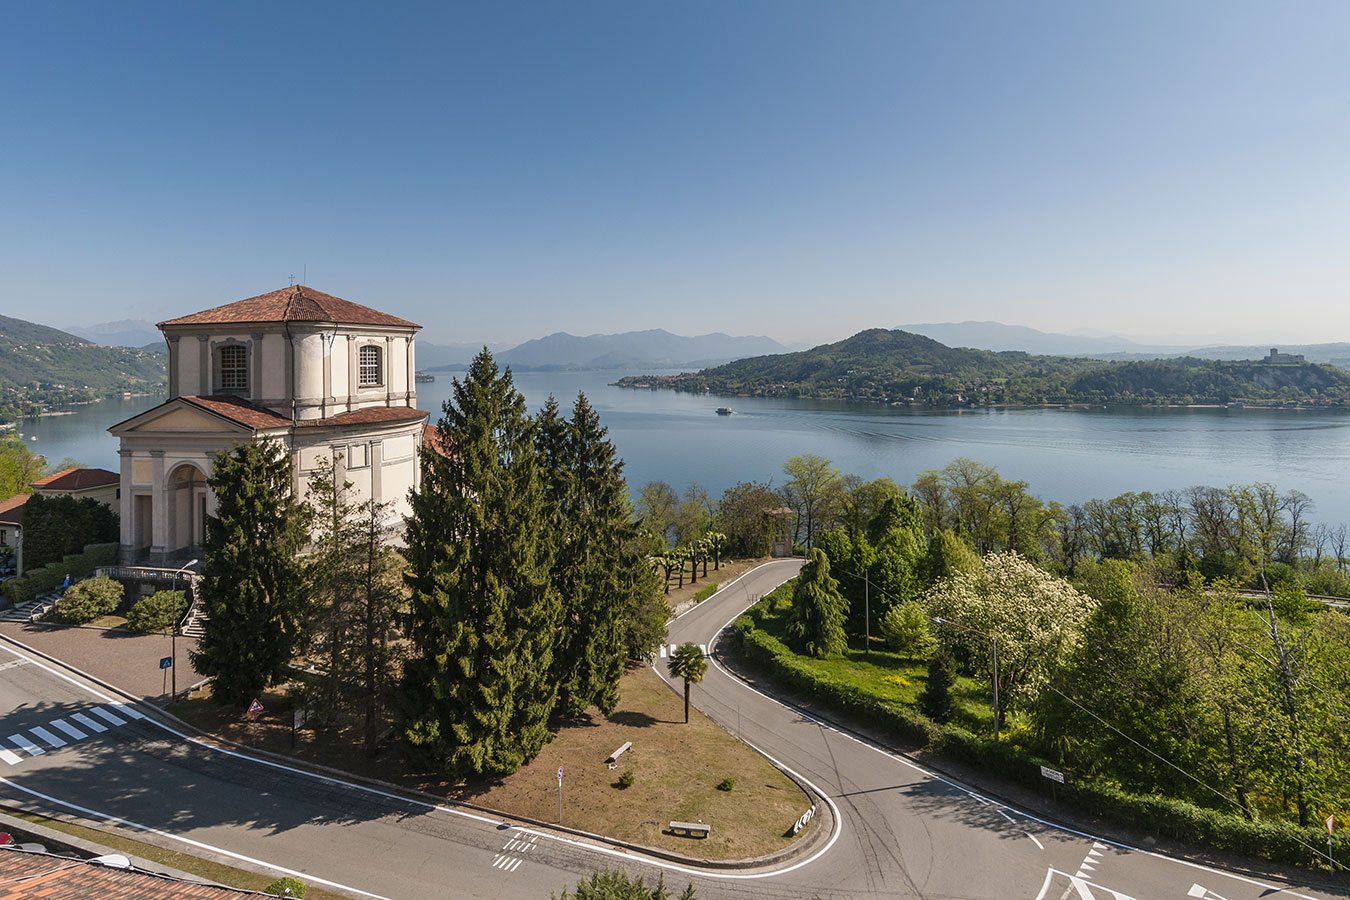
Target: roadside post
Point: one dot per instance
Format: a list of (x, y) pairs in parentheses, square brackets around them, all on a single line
[(1055, 776), (560, 768), (165, 666), (1331, 823)]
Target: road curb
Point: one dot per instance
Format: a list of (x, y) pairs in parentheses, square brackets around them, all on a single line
[(411, 795)]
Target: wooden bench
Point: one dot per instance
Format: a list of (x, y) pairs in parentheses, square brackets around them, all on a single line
[(693, 829), (614, 757)]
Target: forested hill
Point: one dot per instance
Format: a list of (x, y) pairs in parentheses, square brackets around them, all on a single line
[(900, 367), (42, 367)]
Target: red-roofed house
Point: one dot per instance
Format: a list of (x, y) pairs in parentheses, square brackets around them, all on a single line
[(324, 376), (97, 484), (11, 528)]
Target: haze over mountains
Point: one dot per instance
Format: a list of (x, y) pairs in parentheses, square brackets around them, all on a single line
[(998, 337)]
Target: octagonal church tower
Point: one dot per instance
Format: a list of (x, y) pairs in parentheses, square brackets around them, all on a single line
[(322, 376)]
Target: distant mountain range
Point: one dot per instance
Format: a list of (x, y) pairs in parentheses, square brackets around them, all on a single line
[(654, 349), (999, 337), (122, 333)]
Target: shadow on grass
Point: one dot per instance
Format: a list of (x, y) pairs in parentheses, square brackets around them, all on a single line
[(630, 718)]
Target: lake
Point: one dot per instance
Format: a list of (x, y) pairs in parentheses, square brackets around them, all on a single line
[(1069, 455)]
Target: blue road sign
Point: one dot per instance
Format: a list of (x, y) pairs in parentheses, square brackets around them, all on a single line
[(166, 662)]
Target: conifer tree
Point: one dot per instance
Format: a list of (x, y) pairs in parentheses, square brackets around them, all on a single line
[(818, 611), (477, 689), (600, 571), (935, 701), (330, 571), (252, 578), (378, 599)]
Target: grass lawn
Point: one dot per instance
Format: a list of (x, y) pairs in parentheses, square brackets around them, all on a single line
[(890, 676), (676, 770)]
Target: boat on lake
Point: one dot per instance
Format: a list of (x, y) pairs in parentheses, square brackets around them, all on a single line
[(724, 410)]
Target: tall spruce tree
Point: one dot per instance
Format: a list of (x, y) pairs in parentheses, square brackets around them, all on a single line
[(330, 571), (252, 578), (378, 599), (817, 624), (600, 571), (477, 689)]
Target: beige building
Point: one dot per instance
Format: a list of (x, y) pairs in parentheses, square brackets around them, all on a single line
[(322, 376), (96, 484)]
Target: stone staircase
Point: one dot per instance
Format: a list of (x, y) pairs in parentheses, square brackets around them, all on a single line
[(31, 611)]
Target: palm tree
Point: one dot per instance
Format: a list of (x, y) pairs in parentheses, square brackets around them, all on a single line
[(687, 663)]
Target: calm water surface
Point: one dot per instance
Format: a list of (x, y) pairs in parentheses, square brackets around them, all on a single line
[(1065, 455)]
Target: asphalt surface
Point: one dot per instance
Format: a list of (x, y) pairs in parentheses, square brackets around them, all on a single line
[(894, 830)]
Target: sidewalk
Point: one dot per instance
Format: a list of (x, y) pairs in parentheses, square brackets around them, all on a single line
[(122, 659)]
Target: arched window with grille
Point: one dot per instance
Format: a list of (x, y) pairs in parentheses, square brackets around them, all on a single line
[(371, 366)]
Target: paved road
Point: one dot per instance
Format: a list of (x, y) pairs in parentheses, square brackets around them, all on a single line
[(901, 832)]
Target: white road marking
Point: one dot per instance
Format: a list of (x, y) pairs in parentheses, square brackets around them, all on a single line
[(515, 865), (12, 663), (69, 729), (89, 723), (130, 712), (1034, 841), (10, 757), (45, 735), (26, 745), (1006, 816), (663, 651), (107, 716), (703, 648)]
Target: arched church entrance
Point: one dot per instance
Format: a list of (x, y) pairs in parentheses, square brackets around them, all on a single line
[(185, 503)]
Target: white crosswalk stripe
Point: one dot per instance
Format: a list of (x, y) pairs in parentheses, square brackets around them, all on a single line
[(89, 723), (43, 734), (69, 729), (108, 716), (26, 745), (10, 756), (130, 712)]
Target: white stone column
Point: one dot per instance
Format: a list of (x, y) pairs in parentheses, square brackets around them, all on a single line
[(159, 509), (126, 507)]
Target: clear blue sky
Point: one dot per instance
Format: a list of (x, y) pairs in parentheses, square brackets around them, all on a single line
[(499, 171)]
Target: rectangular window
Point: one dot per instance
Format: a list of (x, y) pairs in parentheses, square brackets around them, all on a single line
[(234, 367), (370, 366)]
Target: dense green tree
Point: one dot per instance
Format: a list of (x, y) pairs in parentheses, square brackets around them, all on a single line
[(813, 492), (658, 510), (252, 580), (862, 500), (816, 627), (478, 686), (376, 605), (19, 466), (935, 700), (600, 571), (330, 581), (946, 555), (54, 526), (905, 630), (687, 663), (741, 515)]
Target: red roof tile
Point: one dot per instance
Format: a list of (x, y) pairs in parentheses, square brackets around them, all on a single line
[(431, 437), (30, 876), (11, 510), (76, 479), (239, 410), (296, 303), (369, 416)]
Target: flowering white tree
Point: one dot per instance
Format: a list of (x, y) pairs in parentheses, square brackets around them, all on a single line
[(1034, 619)]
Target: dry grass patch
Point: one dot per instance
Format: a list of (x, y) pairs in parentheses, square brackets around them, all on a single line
[(731, 570), (676, 770)]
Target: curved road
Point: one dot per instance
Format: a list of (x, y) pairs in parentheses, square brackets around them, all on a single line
[(70, 746)]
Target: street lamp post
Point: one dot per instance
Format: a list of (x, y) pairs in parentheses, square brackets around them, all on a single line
[(993, 658), (173, 631)]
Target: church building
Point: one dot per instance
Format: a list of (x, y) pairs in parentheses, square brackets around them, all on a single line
[(322, 376)]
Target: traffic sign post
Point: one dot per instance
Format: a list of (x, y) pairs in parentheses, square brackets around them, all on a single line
[(560, 768), (1055, 776), (1331, 823)]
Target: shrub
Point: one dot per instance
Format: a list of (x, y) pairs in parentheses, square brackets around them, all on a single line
[(157, 612), (904, 628), (286, 887), (48, 578), (936, 700), (617, 885), (86, 600), (705, 593), (726, 784), (626, 779)]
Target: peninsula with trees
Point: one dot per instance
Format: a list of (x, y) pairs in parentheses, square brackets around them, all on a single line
[(906, 369)]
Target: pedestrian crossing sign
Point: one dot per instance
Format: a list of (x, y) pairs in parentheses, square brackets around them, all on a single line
[(254, 707)]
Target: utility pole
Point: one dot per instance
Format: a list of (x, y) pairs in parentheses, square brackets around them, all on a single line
[(867, 612)]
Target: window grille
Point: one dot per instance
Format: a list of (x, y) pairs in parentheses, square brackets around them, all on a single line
[(370, 366)]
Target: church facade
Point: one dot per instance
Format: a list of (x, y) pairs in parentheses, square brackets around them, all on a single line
[(321, 376)]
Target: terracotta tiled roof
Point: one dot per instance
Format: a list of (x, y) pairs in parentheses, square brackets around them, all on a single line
[(76, 479), (11, 510), (431, 437), (370, 416), (239, 410), (39, 876), (296, 303)]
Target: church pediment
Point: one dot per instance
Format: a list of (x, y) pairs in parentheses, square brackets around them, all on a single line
[(176, 416)]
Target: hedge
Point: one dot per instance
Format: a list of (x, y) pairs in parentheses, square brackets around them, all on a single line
[(1181, 820), (49, 578)]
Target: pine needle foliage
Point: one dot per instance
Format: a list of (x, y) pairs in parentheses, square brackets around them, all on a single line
[(477, 689), (818, 611), (252, 579)]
